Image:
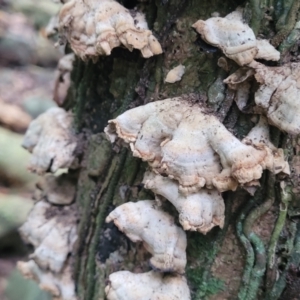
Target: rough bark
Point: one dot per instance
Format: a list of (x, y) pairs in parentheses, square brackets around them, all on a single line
[(256, 254)]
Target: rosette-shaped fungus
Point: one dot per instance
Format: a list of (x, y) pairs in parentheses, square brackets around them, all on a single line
[(124, 285), (180, 139), (51, 141), (94, 28), (52, 231), (58, 190), (143, 221), (199, 211), (278, 93), (61, 286), (235, 38)]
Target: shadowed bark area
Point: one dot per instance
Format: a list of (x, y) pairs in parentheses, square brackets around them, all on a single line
[(256, 254)]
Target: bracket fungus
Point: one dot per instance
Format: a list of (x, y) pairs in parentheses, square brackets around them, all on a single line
[(61, 286), (199, 211), (277, 95), (51, 141), (62, 78), (235, 38), (239, 82), (94, 28), (144, 221), (124, 285), (260, 137), (59, 190), (180, 139), (52, 231)]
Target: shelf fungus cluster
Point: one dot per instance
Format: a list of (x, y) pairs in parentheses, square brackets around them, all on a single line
[(94, 28), (183, 141), (51, 141), (199, 211), (51, 226), (235, 38), (277, 95), (51, 230), (191, 155), (144, 221), (193, 158)]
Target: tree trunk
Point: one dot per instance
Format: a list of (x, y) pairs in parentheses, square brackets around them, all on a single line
[(256, 254)]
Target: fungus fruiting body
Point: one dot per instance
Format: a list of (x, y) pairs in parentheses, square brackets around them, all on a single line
[(60, 285), (235, 38), (51, 141), (94, 28), (59, 190), (260, 137), (180, 139), (52, 232), (63, 79), (124, 285), (199, 211), (277, 95), (144, 221)]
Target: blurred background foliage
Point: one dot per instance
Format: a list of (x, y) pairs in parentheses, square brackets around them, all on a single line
[(27, 73)]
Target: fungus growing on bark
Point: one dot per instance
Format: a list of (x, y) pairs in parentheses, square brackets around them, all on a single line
[(240, 82), (94, 28), (62, 79), (52, 27), (259, 137), (199, 211), (51, 141), (60, 285), (182, 140), (144, 221), (235, 38), (52, 231), (58, 190), (124, 285), (175, 74), (278, 93)]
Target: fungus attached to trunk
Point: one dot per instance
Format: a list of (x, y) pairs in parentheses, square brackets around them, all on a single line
[(52, 231), (60, 285), (199, 211), (94, 28), (235, 38), (259, 137), (124, 285), (182, 140), (145, 222), (278, 93), (59, 190), (63, 78), (51, 141)]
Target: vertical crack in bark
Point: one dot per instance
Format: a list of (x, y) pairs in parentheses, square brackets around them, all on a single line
[(284, 202), (101, 214), (248, 248), (255, 249)]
